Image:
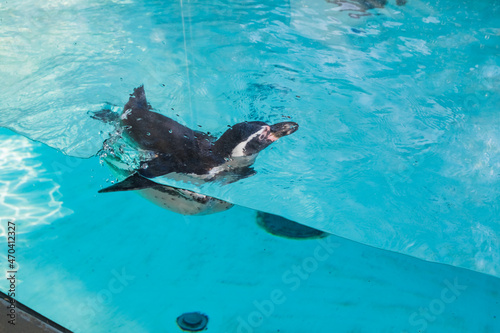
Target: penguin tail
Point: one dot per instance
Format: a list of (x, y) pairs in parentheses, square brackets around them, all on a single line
[(137, 100)]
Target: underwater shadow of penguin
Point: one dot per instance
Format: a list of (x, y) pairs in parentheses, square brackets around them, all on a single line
[(362, 6), (177, 152)]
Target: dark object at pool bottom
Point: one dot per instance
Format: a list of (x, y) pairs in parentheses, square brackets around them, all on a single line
[(367, 4), (192, 321), (280, 226)]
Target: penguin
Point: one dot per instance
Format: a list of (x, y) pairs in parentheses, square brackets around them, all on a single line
[(177, 152)]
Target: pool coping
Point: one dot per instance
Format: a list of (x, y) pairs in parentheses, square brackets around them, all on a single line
[(27, 320)]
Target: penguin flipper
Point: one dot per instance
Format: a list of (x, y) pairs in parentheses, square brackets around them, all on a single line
[(131, 183)]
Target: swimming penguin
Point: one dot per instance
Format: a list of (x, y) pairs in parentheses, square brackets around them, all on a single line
[(174, 151)]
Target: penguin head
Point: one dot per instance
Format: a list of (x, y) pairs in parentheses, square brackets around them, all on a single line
[(249, 138)]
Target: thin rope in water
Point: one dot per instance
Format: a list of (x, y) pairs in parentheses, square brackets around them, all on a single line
[(186, 60)]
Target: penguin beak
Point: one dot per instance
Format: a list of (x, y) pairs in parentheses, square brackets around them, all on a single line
[(282, 129)]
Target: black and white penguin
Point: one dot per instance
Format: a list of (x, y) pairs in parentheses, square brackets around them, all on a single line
[(177, 152)]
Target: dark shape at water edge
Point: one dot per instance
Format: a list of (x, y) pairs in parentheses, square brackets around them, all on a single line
[(17, 317), (280, 226), (192, 321)]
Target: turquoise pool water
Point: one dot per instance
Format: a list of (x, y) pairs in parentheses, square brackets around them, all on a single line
[(398, 146), (118, 263), (398, 149)]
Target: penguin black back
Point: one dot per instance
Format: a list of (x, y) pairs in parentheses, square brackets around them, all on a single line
[(179, 148)]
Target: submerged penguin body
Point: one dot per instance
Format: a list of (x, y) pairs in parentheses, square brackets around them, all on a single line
[(175, 199)]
